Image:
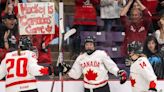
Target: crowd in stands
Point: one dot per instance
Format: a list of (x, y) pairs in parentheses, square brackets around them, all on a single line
[(140, 20)]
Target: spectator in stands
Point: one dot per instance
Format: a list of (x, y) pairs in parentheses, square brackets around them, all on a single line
[(8, 33), (44, 52), (84, 20), (110, 12), (155, 56), (136, 28), (159, 34), (151, 5)]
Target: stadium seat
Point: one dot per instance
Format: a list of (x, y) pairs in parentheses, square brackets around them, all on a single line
[(99, 36), (118, 36)]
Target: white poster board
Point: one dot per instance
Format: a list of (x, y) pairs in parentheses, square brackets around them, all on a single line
[(36, 18)]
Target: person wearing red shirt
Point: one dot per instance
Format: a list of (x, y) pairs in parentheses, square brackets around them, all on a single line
[(137, 27)]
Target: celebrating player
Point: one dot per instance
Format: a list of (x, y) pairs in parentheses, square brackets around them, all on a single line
[(94, 65), (142, 76), (20, 67)]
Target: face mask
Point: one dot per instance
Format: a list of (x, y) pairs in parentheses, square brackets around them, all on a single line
[(89, 51)]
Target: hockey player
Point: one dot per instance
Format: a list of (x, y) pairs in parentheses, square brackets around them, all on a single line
[(94, 65), (20, 68), (142, 76)]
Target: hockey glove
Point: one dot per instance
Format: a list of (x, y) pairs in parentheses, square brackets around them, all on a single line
[(152, 87), (122, 76), (61, 68), (66, 68)]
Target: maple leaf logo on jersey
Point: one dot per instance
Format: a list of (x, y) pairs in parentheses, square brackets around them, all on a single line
[(44, 71), (90, 75), (133, 81)]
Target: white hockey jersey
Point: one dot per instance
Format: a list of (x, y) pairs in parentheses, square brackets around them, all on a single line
[(94, 68), (141, 74), (20, 71)]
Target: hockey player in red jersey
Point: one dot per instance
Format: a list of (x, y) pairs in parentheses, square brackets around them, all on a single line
[(20, 68), (142, 76), (94, 65)]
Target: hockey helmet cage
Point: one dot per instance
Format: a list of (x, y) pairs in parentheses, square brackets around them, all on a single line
[(89, 39), (135, 47), (25, 43)]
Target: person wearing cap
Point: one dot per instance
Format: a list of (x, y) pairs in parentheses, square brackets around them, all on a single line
[(8, 33), (94, 65)]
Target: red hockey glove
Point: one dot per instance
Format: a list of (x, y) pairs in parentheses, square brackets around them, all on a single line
[(122, 76), (152, 87)]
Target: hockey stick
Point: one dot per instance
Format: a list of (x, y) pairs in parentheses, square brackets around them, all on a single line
[(69, 33), (61, 31), (61, 28)]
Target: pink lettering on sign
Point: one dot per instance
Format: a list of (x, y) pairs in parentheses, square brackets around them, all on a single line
[(41, 29), (36, 18), (31, 9)]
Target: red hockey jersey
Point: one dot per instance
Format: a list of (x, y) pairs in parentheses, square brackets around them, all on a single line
[(85, 13)]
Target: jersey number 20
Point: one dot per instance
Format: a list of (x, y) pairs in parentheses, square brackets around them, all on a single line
[(20, 65)]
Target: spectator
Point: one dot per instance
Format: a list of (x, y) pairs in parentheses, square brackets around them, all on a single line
[(44, 53), (159, 34), (151, 5), (110, 12), (84, 20), (8, 32), (136, 28), (155, 56)]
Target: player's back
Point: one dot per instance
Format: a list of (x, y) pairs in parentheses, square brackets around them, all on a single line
[(141, 74), (18, 76)]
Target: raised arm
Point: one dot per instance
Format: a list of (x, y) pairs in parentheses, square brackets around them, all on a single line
[(141, 5), (126, 8), (6, 44)]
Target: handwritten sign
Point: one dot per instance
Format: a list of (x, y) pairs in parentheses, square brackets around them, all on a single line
[(36, 18)]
